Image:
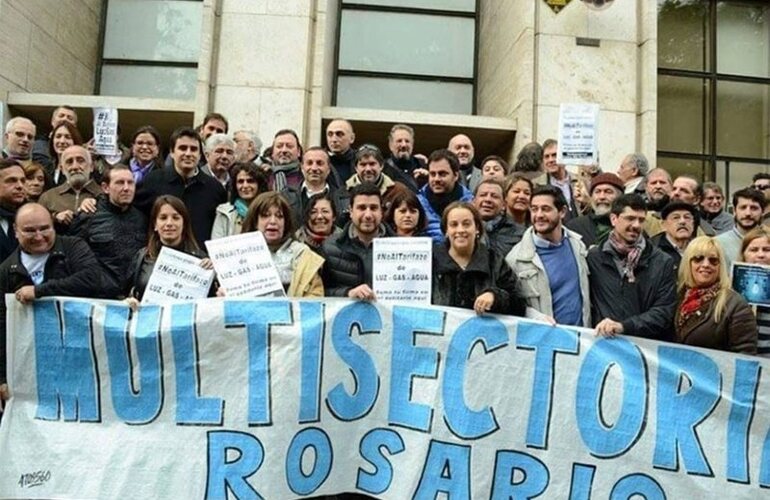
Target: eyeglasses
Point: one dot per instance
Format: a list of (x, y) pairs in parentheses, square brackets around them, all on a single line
[(714, 261)]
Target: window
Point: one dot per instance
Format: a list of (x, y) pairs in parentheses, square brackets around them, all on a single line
[(417, 55), (714, 89), (151, 48)]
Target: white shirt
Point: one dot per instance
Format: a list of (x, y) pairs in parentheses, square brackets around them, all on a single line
[(35, 266)]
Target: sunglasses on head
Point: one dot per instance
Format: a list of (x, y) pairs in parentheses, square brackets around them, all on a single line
[(714, 261)]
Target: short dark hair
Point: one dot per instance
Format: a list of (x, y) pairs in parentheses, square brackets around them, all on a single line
[(318, 148), (750, 193), (369, 150), (253, 171), (630, 200), (559, 201), (147, 129), (445, 154), (288, 131), (529, 159), (498, 159), (8, 163), (761, 176), (107, 174), (550, 142), (189, 243), (364, 189), (185, 132), (215, 116), (406, 196), (494, 182), (261, 205)]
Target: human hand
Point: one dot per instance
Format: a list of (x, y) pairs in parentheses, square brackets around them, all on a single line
[(484, 302), (88, 206), (207, 264), (362, 292), (132, 303), (608, 328), (25, 294), (64, 217)]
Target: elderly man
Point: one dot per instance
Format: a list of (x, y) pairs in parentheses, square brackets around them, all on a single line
[(19, 138), (403, 165), (632, 171), (678, 230), (44, 265), (595, 226), (248, 146), (657, 189), (64, 201), (11, 198), (220, 155)]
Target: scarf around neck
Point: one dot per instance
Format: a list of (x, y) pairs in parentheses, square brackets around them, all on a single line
[(628, 253), (694, 299)]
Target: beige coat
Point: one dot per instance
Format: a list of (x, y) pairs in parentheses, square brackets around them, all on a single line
[(306, 273)]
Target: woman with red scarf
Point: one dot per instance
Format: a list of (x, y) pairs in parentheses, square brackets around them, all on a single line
[(710, 314)]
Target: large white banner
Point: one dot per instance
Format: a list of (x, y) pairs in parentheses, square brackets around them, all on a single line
[(277, 399)]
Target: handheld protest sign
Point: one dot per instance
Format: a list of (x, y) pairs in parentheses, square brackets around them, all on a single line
[(578, 134), (402, 269), (177, 276), (244, 265), (752, 282), (106, 131)]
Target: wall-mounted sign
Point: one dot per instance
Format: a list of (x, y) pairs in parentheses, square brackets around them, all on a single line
[(557, 5)]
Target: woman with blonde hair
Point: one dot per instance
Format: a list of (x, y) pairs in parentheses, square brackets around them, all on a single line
[(710, 314), (755, 249)]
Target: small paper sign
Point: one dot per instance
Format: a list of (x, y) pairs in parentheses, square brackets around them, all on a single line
[(177, 276), (244, 265), (106, 131), (752, 281), (578, 134), (402, 269)]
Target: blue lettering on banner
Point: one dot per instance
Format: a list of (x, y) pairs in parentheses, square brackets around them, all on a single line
[(132, 405), (311, 318), (409, 361), (65, 363), (637, 485), (225, 475), (546, 341), (314, 439), (461, 420), (682, 408), (603, 439), (582, 481), (447, 469), (739, 422), (534, 472), (378, 481), (257, 317), (365, 318)]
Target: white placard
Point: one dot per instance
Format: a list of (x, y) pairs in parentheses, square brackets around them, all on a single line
[(106, 131), (244, 265), (177, 276), (402, 270), (578, 134)]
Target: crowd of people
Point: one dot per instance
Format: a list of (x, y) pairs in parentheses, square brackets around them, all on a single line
[(635, 252)]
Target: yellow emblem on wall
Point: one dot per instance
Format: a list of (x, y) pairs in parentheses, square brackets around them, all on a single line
[(557, 5)]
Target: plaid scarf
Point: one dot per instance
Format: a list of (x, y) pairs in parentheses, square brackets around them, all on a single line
[(629, 253), (694, 299)]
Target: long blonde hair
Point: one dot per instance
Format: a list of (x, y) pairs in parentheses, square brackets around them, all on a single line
[(704, 245)]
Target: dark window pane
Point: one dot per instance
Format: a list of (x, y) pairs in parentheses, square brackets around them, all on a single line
[(743, 119), (458, 5), (406, 95), (743, 38), (683, 34), (735, 176), (677, 167), (682, 124)]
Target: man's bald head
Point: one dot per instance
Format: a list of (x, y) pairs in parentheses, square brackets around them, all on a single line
[(462, 146), (34, 229), (32, 209)]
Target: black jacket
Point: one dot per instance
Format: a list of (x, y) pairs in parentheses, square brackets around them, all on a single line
[(486, 272), (298, 201), (502, 234), (587, 226), (665, 246), (343, 167), (114, 236), (645, 307), (71, 270), (8, 241), (201, 195), (348, 263), (402, 170)]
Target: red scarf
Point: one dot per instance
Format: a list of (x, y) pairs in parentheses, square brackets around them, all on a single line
[(694, 299)]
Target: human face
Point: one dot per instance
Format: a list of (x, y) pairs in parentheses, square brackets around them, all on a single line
[(627, 170), (186, 154), (121, 189), (489, 201), (34, 184), (62, 139), (285, 149), (492, 170), (401, 144), (76, 165), (315, 167), (764, 186), (658, 185), (339, 136), (406, 218), (517, 199), (366, 214), (628, 224), (705, 269), (220, 159), (748, 214), (246, 186), (546, 218), (549, 159), (679, 225), (758, 251), (211, 127), (145, 148), (19, 139), (462, 146), (64, 115), (602, 197), (12, 182), (169, 225), (712, 201), (321, 219), (684, 189), (272, 225), (368, 169), (461, 230), (441, 179), (34, 230), (244, 147)]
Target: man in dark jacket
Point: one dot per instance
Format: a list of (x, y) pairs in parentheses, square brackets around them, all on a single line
[(200, 193), (342, 156), (500, 232), (347, 271), (403, 165), (678, 230), (595, 226), (11, 198), (44, 265), (116, 231), (633, 287)]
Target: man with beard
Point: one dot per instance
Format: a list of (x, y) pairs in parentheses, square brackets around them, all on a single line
[(403, 165), (633, 286), (712, 208), (761, 182), (220, 155), (285, 171), (550, 262), (248, 145), (595, 226), (500, 232), (64, 201), (443, 188), (748, 207), (339, 140), (462, 146), (12, 196), (557, 175), (678, 230), (657, 189)]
